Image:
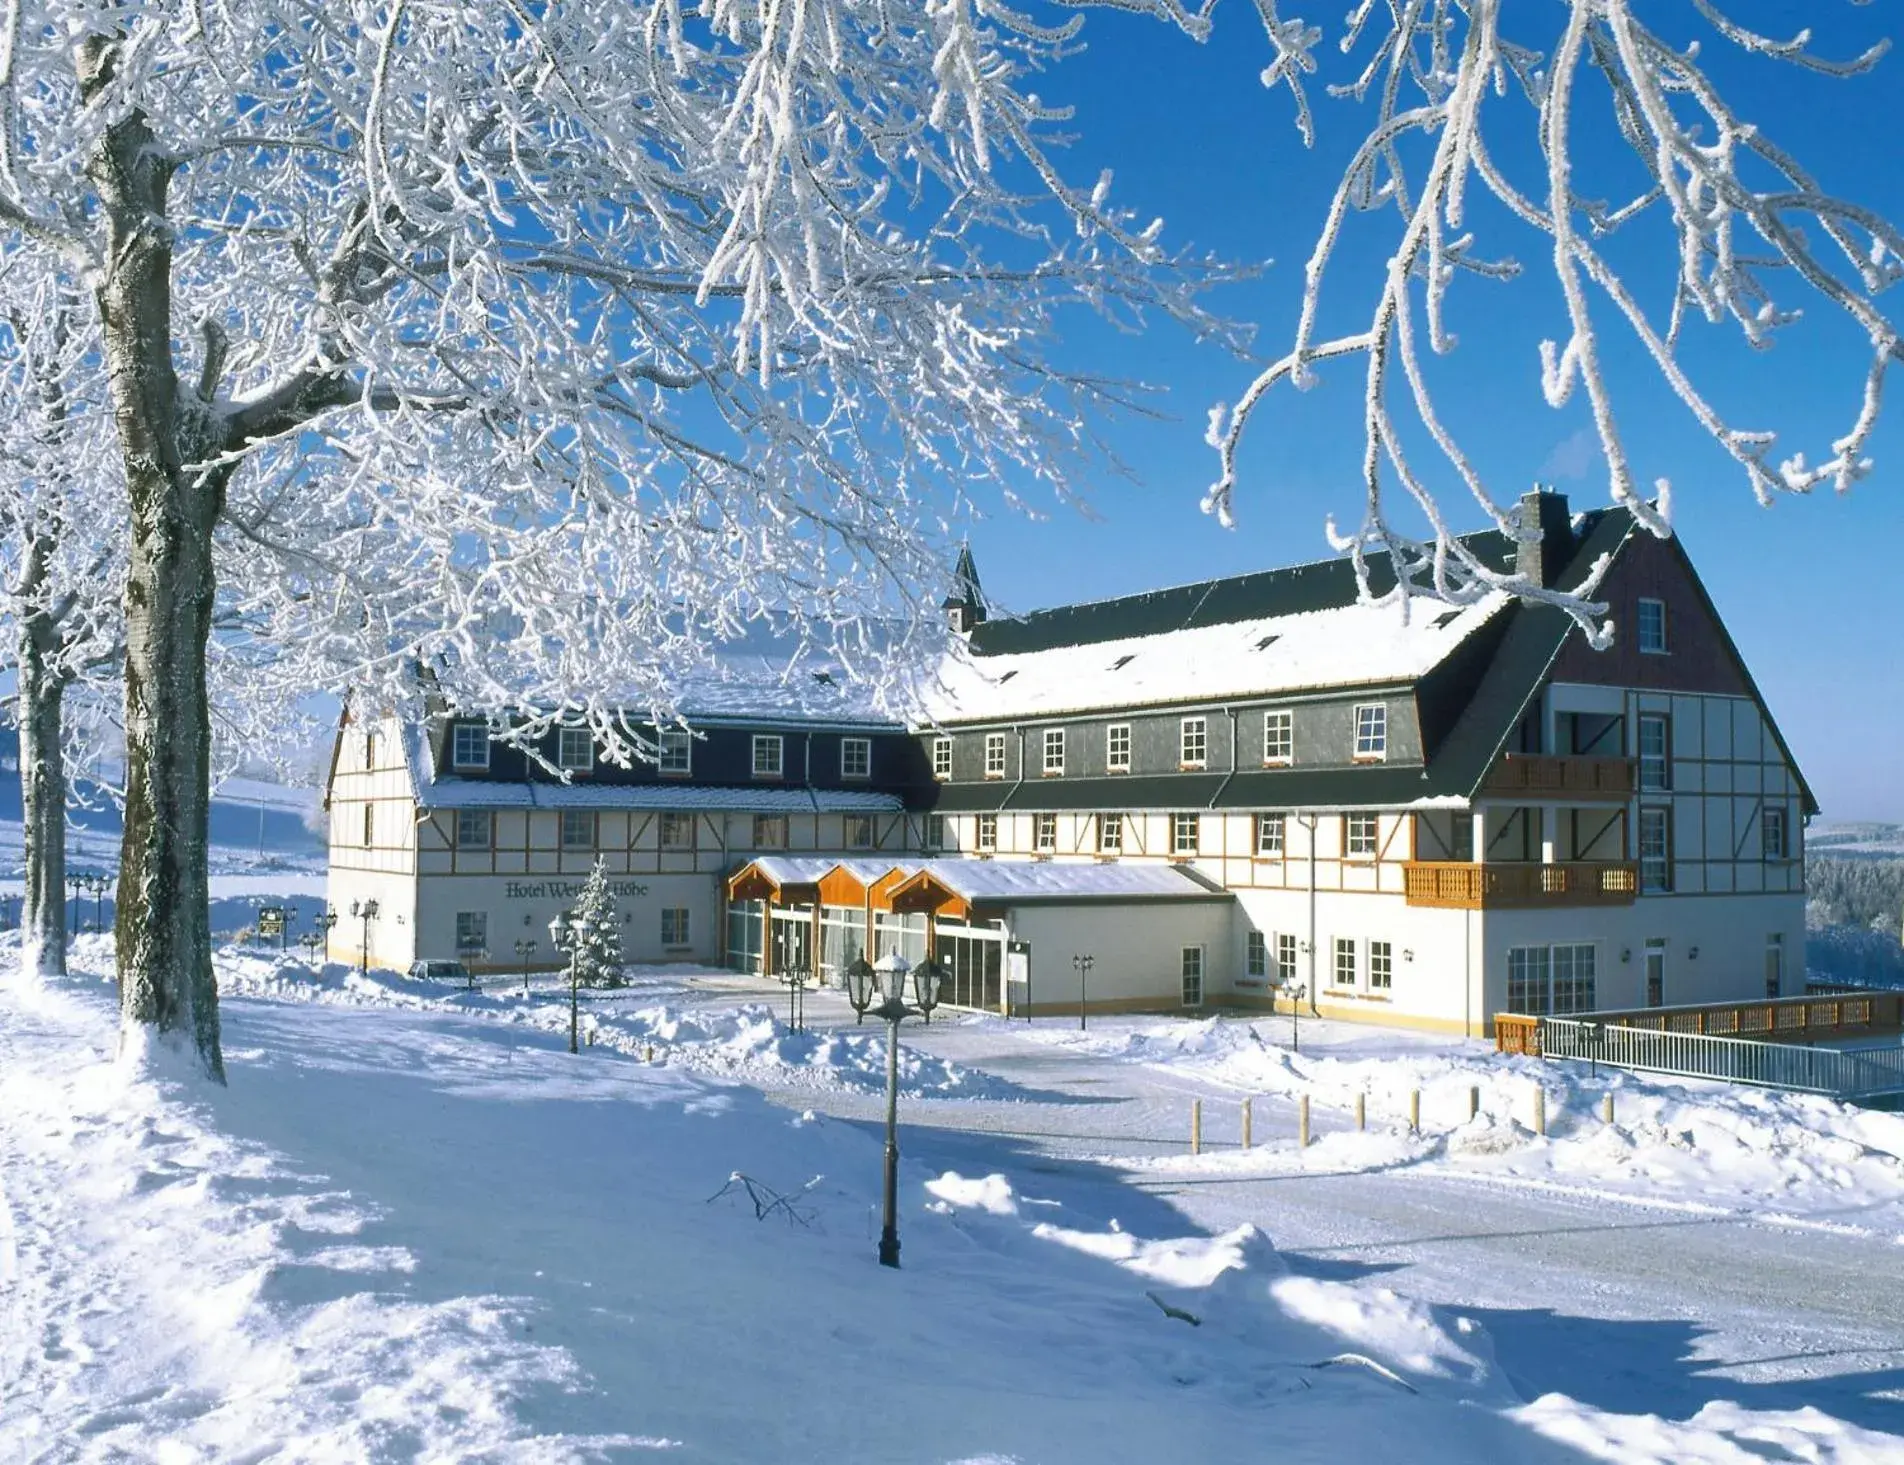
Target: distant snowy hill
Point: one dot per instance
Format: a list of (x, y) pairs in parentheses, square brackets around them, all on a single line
[(1853, 837)]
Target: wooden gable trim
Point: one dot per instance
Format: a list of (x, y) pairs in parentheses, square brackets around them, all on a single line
[(926, 893)]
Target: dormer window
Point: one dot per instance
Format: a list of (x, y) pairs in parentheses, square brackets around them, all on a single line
[(469, 745), (574, 750), (1054, 751), (856, 757), (1194, 742), (942, 758), (675, 752), (1371, 731), (769, 755), (1652, 627)]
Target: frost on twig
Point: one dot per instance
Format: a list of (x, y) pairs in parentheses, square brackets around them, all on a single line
[(767, 1201), (1742, 229)]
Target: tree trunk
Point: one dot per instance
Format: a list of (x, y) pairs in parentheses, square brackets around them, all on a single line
[(163, 930), (43, 803)]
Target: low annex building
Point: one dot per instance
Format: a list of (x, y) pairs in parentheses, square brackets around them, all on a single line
[(1213, 791)]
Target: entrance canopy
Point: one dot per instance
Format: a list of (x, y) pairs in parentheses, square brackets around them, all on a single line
[(982, 889), (819, 880)]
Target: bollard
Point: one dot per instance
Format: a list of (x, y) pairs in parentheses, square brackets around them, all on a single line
[(1414, 1111), (1196, 1126), (1540, 1111), (647, 1052), (1302, 1122), (1606, 1109), (1361, 1111), (591, 1037), (1474, 1101), (1246, 1124)]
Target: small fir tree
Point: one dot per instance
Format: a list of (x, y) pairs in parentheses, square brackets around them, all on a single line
[(596, 930)]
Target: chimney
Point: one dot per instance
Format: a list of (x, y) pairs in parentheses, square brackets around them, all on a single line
[(1544, 512)]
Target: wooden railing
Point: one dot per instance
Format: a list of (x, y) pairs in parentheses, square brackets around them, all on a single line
[(1561, 777), (1458, 886), (1786, 1019)]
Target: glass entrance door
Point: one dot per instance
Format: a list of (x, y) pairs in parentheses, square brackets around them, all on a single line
[(1655, 973)]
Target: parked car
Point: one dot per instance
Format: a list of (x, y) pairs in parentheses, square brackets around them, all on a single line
[(441, 971)]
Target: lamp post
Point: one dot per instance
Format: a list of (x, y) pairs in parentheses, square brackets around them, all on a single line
[(324, 924), (98, 883), (525, 948), (78, 882), (796, 998), (312, 943), (562, 933), (891, 970), (1296, 994), (1083, 963), (366, 911)]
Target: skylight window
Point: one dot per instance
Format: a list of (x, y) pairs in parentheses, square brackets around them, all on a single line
[(1446, 618), (1267, 642), (1007, 676), (1123, 661)]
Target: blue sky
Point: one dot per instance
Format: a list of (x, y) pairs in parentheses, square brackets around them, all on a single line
[(1808, 587)]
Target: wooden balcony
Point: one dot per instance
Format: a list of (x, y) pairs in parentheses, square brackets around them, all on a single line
[(1450, 885), (1536, 775)]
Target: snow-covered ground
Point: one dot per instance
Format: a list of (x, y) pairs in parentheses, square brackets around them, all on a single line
[(415, 1227)]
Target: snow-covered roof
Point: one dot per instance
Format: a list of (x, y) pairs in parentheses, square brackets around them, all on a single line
[(1338, 646), (1015, 882), (476, 793)]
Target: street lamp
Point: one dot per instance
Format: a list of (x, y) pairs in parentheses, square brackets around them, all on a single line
[(891, 970), (366, 911), (1296, 994), (525, 948), (1083, 963), (562, 933), (324, 924), (78, 882)]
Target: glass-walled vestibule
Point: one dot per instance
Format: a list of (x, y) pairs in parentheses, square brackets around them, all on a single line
[(973, 955)]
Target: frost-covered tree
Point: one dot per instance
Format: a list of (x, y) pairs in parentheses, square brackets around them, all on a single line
[(594, 932), (1597, 130), (548, 345)]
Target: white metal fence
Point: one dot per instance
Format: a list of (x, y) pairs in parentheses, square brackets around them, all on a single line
[(1844, 1073)]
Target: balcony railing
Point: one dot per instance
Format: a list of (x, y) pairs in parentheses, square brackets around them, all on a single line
[(1456, 886), (1537, 774)]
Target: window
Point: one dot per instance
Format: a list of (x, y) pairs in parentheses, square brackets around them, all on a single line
[(1342, 974), (1110, 834), (1652, 627), (574, 749), (578, 829), (674, 926), (935, 831), (1279, 737), (770, 831), (1656, 768), (994, 755), (1286, 960), (859, 831), (1269, 835), (988, 831), (1550, 981), (1256, 954), (675, 755), (1054, 751), (677, 831), (472, 829), (856, 757), (1771, 834), (1359, 835), (769, 755), (942, 757), (1774, 966), (1117, 748), (1656, 850), (1046, 834), (1381, 966), (1193, 976), (1183, 834), (1371, 730), (1194, 742), (469, 745), (1573, 979), (1655, 972), (370, 825), (472, 933)]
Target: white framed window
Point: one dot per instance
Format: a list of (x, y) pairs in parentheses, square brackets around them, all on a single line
[(770, 831), (1269, 834), (472, 933), (994, 755), (1381, 966), (1573, 967), (472, 828), (1256, 954), (1529, 977), (1117, 748), (574, 749), (674, 926), (675, 752), (942, 757), (469, 745), (1359, 835), (1656, 849), (770, 751), (1054, 751), (1279, 736), (370, 825), (1286, 960), (1371, 730), (1045, 834), (859, 831), (936, 831), (1193, 976), (856, 757), (1110, 833), (677, 831), (1342, 972), (1655, 744), (1651, 628), (1771, 833), (1183, 834), (988, 831), (578, 829), (1193, 738)]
